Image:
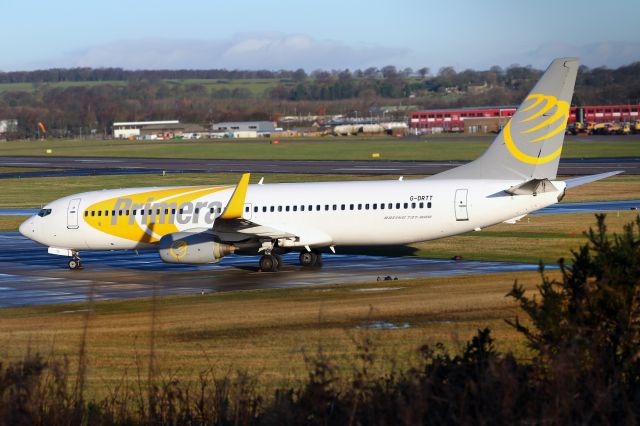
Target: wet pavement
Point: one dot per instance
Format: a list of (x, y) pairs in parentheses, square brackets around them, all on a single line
[(31, 276)]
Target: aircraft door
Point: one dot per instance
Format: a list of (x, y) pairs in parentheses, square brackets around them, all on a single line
[(246, 213), (461, 204), (73, 213)]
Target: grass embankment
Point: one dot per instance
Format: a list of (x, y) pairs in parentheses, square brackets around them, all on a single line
[(266, 331), (327, 149)]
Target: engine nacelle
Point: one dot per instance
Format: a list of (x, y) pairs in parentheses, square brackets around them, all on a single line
[(192, 248)]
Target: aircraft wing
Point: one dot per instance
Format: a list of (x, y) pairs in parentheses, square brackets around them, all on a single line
[(232, 227), (240, 229)]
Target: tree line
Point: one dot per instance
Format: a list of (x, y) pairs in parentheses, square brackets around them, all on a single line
[(114, 94)]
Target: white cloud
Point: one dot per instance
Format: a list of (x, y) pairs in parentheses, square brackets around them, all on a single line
[(242, 51)]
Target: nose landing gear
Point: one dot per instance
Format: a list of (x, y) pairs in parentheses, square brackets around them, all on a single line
[(74, 262)]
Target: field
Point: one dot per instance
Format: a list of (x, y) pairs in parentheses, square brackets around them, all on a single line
[(269, 332), (266, 332), (257, 87), (326, 149)]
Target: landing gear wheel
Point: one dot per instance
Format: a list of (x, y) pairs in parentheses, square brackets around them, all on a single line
[(74, 263), (279, 261), (268, 263), (308, 258)]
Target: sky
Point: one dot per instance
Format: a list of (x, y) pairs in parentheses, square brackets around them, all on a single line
[(329, 34)]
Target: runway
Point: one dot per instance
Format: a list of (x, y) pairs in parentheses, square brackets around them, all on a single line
[(88, 166), (31, 276)]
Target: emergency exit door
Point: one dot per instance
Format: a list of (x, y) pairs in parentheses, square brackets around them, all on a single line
[(72, 213), (461, 204)]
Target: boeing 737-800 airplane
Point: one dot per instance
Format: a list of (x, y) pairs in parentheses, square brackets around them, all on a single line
[(202, 224)]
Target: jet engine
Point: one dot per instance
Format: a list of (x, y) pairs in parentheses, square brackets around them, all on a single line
[(193, 248)]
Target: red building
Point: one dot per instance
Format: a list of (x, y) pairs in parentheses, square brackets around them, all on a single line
[(452, 120)]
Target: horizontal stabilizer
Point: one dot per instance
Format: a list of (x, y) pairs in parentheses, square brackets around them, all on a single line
[(572, 183)]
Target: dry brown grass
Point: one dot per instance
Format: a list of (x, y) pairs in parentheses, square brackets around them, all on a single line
[(267, 331), (538, 237), (624, 187)]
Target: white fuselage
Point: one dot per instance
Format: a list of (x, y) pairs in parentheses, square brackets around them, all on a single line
[(319, 214)]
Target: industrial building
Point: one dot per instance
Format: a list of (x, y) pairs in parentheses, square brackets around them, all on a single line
[(490, 119), (244, 129), (155, 129)]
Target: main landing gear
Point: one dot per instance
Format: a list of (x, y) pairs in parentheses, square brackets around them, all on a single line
[(273, 262), (270, 262), (310, 258), (74, 262)]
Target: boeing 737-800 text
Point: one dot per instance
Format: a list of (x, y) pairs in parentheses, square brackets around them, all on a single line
[(202, 224)]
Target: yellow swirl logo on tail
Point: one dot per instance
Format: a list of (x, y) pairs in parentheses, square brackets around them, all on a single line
[(542, 104)]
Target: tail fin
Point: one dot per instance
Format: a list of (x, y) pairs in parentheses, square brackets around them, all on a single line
[(529, 146)]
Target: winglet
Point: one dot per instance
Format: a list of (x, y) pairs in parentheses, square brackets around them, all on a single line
[(236, 203)]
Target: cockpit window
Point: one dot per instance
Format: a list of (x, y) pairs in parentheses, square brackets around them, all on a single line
[(44, 212)]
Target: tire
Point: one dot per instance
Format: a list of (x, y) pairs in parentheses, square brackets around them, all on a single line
[(308, 259), (268, 263), (74, 264)]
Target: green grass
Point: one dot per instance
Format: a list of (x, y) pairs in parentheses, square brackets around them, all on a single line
[(30, 87), (326, 149), (257, 86)]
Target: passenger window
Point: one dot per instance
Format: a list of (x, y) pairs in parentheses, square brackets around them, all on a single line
[(86, 213), (413, 205), (310, 207), (286, 208), (342, 207), (255, 209), (351, 206), (317, 207), (279, 208), (99, 212), (210, 210), (397, 205), (406, 205), (366, 206), (93, 213), (272, 209), (295, 208), (335, 207), (264, 209), (326, 207), (429, 205), (375, 206), (180, 211), (106, 212), (381, 206), (126, 212), (113, 212), (390, 205), (421, 205), (173, 211), (359, 206), (302, 208), (134, 212)]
